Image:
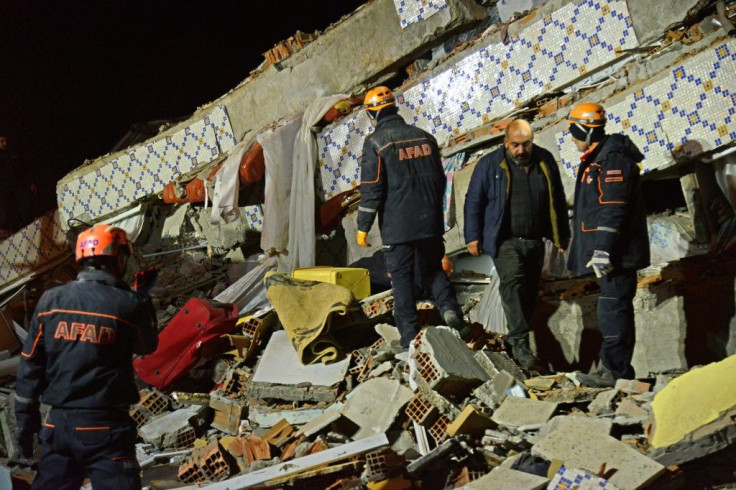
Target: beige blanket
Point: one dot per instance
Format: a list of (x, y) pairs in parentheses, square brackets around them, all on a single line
[(304, 309)]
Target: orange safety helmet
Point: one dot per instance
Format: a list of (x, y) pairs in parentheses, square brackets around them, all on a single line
[(101, 240), (378, 97), (588, 114)]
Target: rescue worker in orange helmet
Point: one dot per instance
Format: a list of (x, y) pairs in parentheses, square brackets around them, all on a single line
[(403, 184), (78, 359), (610, 235)]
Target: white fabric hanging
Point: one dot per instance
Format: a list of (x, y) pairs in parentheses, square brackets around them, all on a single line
[(278, 153), (227, 183), (302, 240)]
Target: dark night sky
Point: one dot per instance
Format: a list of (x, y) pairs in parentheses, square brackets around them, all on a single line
[(75, 75)]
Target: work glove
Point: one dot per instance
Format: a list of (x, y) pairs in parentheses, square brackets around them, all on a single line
[(145, 280), (600, 263), (361, 238)]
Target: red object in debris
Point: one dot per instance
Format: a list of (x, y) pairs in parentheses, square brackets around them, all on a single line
[(181, 343), (329, 214), (252, 165)]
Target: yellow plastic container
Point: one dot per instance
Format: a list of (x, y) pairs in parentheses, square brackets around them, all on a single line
[(357, 280)]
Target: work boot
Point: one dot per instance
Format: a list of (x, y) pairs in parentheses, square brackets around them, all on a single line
[(455, 321), (600, 378), (523, 355)]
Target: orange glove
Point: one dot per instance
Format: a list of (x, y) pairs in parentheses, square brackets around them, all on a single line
[(361, 239)]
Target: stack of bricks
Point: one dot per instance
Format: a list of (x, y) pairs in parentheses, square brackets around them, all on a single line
[(382, 464), (422, 411), (209, 464), (152, 403), (378, 304), (284, 49), (438, 430)]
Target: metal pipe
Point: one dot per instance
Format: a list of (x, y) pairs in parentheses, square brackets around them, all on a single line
[(167, 252), (724, 20)]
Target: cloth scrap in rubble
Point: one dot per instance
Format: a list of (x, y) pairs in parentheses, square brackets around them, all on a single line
[(305, 309)]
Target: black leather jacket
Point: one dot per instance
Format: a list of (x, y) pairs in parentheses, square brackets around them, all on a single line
[(80, 344), (402, 181)]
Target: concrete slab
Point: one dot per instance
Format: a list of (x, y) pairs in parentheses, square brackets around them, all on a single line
[(508, 480), (592, 424), (516, 411), (280, 364), (374, 405), (578, 447)]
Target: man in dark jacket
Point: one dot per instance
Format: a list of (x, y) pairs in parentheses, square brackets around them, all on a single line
[(515, 199), (402, 182), (78, 360), (610, 237)]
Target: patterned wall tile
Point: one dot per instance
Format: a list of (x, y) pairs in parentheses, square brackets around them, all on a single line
[(147, 168), (491, 81), (690, 110), (32, 247), (253, 217), (411, 11)]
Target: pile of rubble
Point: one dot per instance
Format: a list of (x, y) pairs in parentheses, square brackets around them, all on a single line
[(444, 414)]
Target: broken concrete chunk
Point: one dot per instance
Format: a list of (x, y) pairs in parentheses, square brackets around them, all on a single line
[(268, 417), (508, 479), (501, 360), (541, 383), (578, 447), (174, 429), (516, 412), (493, 393), (695, 414), (318, 423), (446, 364), (604, 402), (630, 409), (374, 405), (632, 386)]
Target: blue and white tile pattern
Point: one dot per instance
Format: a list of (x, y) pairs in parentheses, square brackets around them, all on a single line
[(690, 110), (491, 81), (146, 169), (411, 11)]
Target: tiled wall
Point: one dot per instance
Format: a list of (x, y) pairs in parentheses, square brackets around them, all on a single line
[(492, 81), (31, 247), (411, 11), (690, 110), (146, 169)]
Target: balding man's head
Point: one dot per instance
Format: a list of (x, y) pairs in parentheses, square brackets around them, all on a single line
[(518, 141)]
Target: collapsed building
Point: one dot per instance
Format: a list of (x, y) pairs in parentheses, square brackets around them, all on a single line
[(264, 181)]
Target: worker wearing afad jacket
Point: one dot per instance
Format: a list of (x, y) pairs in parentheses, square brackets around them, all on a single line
[(78, 360), (402, 182), (515, 199), (609, 234)]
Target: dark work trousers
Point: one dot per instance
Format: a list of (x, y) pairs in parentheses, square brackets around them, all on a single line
[(97, 443), (519, 267), (402, 262), (616, 321)]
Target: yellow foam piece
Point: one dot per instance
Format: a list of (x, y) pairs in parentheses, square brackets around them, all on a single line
[(693, 400)]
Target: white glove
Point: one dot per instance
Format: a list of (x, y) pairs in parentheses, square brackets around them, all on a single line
[(601, 263)]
